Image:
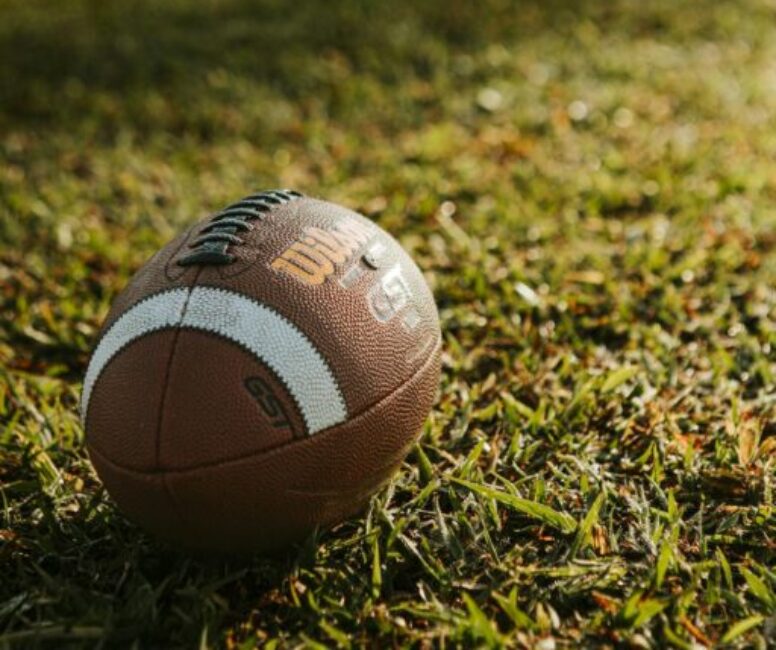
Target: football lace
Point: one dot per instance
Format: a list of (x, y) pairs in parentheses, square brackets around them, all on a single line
[(212, 244)]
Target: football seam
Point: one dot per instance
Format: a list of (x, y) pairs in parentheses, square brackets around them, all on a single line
[(228, 272), (308, 346), (215, 243), (118, 351), (180, 271), (230, 341), (325, 364), (145, 298), (168, 367), (184, 241), (277, 448)]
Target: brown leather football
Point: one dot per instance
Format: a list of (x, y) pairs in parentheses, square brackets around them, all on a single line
[(262, 375)]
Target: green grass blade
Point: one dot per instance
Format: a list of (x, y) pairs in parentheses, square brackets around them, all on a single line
[(618, 378), (742, 627), (585, 527), (543, 513), (758, 587)]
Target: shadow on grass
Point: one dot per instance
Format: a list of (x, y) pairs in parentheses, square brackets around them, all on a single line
[(60, 61), (81, 573)]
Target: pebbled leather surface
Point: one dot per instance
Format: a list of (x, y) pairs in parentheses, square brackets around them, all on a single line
[(264, 501), (205, 421), (369, 358), (125, 408), (202, 421), (189, 452)]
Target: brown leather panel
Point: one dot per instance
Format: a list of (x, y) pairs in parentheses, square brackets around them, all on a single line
[(222, 403), (270, 499), (369, 358), (125, 405), (143, 497)]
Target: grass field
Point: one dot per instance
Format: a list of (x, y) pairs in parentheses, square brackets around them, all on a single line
[(590, 189)]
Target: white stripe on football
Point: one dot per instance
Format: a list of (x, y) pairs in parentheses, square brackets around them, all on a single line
[(266, 334)]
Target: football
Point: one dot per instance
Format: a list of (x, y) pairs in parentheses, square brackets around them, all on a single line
[(261, 375)]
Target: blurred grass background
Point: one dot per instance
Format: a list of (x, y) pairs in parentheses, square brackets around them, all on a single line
[(590, 190)]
